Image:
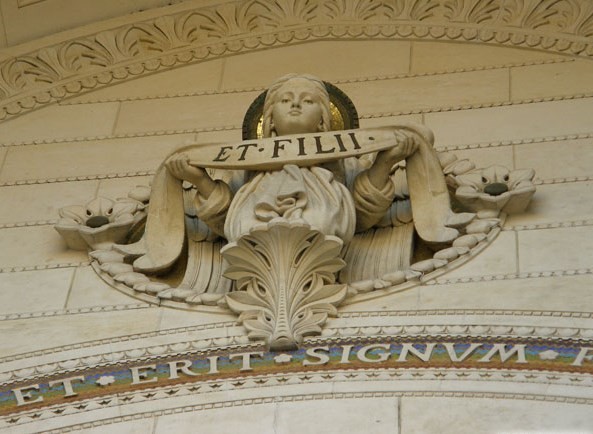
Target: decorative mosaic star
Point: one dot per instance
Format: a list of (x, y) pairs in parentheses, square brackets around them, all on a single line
[(548, 355), (283, 358), (106, 380)]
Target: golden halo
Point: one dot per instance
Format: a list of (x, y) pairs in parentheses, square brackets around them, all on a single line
[(343, 113)]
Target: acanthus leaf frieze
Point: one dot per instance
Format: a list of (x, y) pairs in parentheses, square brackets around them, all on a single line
[(295, 397), (50, 74), (90, 100), (158, 133)]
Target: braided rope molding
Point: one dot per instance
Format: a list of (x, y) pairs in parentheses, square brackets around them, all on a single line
[(476, 106), (564, 180), (52, 73), (119, 136), (515, 228), (311, 378), (527, 141), (78, 178), (467, 331), (158, 133), (28, 224), (437, 281), (19, 268), (126, 338), (239, 339), (241, 342), (433, 282), (341, 315), (75, 311), (552, 225), (337, 81), (362, 314), (28, 417), (135, 355), (465, 312), (567, 180), (511, 276)]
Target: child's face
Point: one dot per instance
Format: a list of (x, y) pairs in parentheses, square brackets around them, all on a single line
[(297, 108)]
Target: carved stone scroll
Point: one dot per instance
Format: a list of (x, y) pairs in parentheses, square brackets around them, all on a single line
[(285, 275)]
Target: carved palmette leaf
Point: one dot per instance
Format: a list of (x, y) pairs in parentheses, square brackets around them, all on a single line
[(30, 72), (485, 11), (477, 11), (422, 9), (540, 13), (164, 34), (285, 274), (225, 20), (584, 26), (285, 12), (532, 14), (88, 55), (358, 9)]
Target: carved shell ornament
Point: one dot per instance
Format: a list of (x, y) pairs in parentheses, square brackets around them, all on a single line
[(288, 227)]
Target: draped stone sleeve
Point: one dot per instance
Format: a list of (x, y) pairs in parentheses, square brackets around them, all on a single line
[(370, 202), (213, 210)]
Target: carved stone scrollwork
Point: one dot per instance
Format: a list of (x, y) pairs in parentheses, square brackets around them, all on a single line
[(285, 274)]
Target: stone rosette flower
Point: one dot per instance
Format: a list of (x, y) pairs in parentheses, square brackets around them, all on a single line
[(495, 189), (100, 223)]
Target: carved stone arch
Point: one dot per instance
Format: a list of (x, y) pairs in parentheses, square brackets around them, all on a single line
[(189, 33)]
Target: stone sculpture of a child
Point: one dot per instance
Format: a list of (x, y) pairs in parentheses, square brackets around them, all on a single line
[(298, 104)]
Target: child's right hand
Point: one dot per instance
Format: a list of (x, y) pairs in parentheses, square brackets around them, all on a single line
[(179, 167)]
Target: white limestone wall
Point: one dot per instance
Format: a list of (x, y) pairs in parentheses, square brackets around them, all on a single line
[(492, 105)]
